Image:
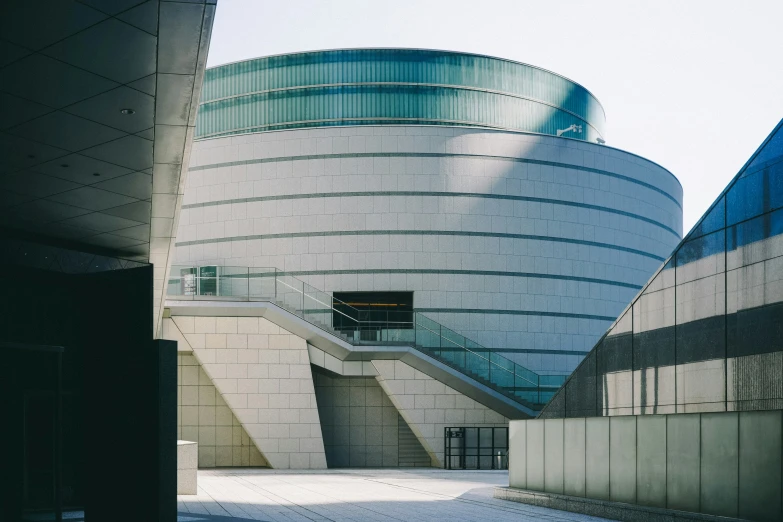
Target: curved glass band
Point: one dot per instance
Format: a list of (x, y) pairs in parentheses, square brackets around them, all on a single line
[(384, 105), (356, 86)]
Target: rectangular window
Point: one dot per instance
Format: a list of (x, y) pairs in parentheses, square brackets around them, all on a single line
[(373, 316)]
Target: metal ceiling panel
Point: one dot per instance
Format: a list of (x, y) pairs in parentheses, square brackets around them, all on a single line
[(111, 49), (113, 7), (106, 108), (136, 185), (81, 169), (36, 24), (65, 131), (15, 110), (34, 184), (11, 52), (138, 211), (92, 198), (19, 153), (87, 153), (100, 222), (131, 152), (144, 16), (48, 81)]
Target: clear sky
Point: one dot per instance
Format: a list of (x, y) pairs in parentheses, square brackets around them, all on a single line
[(693, 85)]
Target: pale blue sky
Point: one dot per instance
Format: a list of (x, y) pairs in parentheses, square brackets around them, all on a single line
[(693, 85)]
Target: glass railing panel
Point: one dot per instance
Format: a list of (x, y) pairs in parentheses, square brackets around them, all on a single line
[(501, 371), (525, 377), (498, 360), (345, 320), (181, 282), (398, 327), (232, 282), (261, 284), (427, 334), (317, 307), (395, 326), (451, 348), (477, 364), (289, 292), (552, 381)]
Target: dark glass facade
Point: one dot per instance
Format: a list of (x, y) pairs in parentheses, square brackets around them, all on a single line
[(393, 86), (706, 333)]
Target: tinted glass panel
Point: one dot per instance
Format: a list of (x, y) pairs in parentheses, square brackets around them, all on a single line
[(387, 86)]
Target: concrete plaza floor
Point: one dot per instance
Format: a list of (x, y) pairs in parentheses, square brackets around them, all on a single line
[(233, 495)]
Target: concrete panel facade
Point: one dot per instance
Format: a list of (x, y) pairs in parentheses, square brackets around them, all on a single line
[(263, 374), (726, 464), (429, 406), (524, 243), (204, 418), (360, 424), (574, 446)]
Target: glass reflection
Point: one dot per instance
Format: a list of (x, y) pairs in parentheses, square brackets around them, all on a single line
[(392, 86), (708, 328)]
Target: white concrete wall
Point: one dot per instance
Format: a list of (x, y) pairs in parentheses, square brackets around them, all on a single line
[(429, 406), (204, 417), (187, 467), (724, 463), (243, 206), (263, 373)]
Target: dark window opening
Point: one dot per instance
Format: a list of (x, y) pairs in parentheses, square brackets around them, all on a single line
[(373, 316)]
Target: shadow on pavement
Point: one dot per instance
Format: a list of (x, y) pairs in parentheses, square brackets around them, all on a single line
[(197, 517)]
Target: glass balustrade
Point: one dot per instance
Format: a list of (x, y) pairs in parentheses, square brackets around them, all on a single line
[(357, 327)]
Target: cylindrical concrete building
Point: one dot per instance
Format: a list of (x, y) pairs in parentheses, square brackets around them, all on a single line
[(473, 188)]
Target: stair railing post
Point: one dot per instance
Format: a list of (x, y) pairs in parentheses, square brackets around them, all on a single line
[(440, 340), (303, 291), (538, 388), (489, 372)]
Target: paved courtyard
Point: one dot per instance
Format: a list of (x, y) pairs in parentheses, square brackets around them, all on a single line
[(362, 495)]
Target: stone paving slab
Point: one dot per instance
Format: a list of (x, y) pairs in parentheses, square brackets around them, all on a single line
[(384, 495)]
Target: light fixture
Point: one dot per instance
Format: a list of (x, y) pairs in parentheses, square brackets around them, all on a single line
[(96, 173), (127, 111), (64, 165)]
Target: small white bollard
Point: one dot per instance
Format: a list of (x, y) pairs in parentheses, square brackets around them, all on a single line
[(187, 467)]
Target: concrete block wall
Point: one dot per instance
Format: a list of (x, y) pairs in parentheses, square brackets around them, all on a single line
[(359, 422), (263, 373), (726, 464), (498, 234), (187, 467), (204, 417), (429, 406)]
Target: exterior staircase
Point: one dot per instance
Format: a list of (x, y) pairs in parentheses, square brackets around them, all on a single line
[(217, 283)]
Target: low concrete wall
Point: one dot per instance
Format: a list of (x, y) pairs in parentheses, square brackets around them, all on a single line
[(187, 468), (726, 464)]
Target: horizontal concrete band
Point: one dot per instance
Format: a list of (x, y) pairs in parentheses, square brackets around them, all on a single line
[(420, 233), (514, 312), (530, 275), (544, 351), (440, 155), (399, 193)]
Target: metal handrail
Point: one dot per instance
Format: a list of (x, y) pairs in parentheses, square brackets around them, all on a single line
[(298, 286)]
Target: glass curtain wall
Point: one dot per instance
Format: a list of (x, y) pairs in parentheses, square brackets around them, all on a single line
[(706, 333), (393, 86)]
